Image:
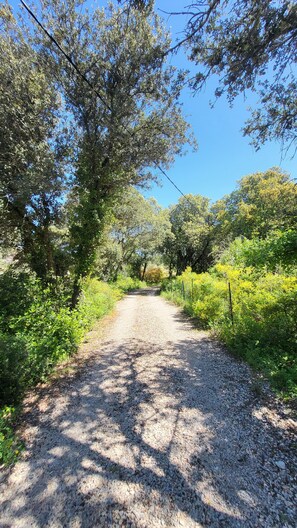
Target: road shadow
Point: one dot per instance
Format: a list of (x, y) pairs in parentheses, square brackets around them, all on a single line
[(145, 426), (145, 292)]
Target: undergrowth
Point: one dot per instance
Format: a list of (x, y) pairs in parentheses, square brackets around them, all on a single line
[(258, 324), (10, 445)]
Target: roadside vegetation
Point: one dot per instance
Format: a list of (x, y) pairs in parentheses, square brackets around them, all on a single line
[(253, 312), (247, 291)]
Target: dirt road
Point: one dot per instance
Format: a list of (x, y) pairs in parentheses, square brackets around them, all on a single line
[(162, 428)]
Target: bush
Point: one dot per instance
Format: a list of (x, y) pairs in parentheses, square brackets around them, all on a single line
[(264, 306), (17, 293), (37, 332), (124, 284), (275, 253), (10, 446), (154, 275), (14, 367), (96, 300)]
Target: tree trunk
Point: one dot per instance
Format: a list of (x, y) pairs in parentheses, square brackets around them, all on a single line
[(144, 270), (170, 270), (75, 294)]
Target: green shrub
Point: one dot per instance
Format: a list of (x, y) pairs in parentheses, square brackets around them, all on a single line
[(97, 299), (125, 284), (264, 305), (17, 293), (14, 366), (277, 252), (50, 335), (154, 274), (39, 332), (10, 446)]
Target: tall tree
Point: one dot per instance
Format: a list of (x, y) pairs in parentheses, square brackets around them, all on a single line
[(31, 175), (136, 232), (262, 203), (189, 243), (131, 123)]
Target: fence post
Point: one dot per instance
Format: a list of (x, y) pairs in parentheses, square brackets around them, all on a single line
[(231, 304), (183, 291)]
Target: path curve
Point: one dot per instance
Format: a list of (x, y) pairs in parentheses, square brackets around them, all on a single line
[(162, 428)]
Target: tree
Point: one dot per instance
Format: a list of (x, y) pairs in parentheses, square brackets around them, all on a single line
[(31, 168), (130, 123), (248, 45), (189, 243), (142, 5), (135, 234), (264, 202)]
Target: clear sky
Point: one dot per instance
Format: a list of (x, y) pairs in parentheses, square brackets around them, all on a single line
[(224, 155)]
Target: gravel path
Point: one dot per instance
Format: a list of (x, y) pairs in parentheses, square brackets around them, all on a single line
[(161, 428)]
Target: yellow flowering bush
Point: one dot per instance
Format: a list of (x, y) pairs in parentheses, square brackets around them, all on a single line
[(259, 322)]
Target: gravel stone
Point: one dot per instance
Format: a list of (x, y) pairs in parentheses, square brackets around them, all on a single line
[(160, 427), (280, 464)]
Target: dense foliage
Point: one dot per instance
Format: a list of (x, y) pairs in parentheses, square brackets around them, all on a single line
[(263, 202), (276, 253), (37, 329), (32, 149), (133, 236), (189, 241)]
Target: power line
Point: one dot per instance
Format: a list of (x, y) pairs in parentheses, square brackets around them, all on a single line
[(69, 59), (172, 182)]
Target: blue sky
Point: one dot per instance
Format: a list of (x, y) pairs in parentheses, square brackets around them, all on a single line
[(224, 155)]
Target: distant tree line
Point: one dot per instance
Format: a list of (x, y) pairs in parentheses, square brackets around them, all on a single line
[(195, 232)]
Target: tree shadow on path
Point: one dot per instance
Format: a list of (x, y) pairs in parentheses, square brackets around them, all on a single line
[(151, 437)]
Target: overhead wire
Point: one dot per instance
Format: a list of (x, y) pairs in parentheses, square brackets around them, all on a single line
[(83, 76), (69, 59)]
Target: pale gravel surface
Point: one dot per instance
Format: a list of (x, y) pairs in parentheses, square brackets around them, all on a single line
[(162, 428)]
